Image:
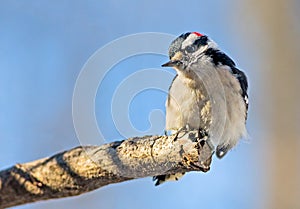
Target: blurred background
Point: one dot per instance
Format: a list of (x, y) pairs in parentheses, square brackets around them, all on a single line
[(45, 44)]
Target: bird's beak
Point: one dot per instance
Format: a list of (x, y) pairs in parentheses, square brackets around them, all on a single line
[(171, 63)]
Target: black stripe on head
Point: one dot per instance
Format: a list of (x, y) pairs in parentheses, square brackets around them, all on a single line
[(184, 35), (202, 41)]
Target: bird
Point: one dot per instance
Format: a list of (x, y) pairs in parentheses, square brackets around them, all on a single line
[(207, 95)]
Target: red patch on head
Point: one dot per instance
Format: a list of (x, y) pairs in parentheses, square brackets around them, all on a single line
[(197, 34)]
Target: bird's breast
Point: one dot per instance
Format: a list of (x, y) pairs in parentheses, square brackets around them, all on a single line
[(186, 106)]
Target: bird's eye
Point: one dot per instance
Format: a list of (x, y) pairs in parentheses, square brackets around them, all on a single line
[(178, 62), (190, 49)]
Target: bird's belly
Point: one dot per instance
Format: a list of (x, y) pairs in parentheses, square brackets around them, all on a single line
[(187, 108)]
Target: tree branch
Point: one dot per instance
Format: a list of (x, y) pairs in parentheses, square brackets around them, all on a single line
[(86, 168)]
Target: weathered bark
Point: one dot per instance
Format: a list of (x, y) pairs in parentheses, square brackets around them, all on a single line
[(86, 168)]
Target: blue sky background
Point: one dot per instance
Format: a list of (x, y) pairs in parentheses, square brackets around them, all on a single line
[(43, 47)]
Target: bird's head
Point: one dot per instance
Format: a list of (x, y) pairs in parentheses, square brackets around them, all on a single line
[(188, 48)]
